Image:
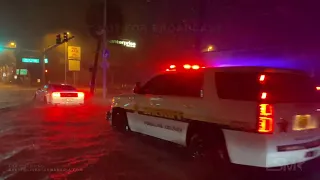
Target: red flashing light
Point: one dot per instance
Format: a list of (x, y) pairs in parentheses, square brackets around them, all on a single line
[(262, 78), (172, 66), (265, 119), (187, 66), (264, 95), (195, 67)]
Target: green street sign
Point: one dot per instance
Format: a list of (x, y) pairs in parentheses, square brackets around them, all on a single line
[(23, 72), (30, 60)]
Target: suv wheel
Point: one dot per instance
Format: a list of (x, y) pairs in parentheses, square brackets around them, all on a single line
[(119, 120), (210, 150)]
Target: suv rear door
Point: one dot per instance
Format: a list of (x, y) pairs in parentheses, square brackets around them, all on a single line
[(291, 95)]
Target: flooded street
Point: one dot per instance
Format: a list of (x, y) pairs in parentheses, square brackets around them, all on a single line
[(44, 142)]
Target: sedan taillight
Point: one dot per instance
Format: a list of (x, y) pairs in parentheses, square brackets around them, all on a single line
[(80, 94), (55, 94)]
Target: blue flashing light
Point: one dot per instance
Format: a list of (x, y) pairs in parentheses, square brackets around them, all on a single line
[(289, 62)]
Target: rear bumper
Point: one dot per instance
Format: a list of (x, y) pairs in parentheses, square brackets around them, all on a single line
[(69, 101), (259, 150)]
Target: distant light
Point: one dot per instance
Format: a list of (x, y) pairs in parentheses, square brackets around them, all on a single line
[(167, 69), (46, 61), (129, 44), (46, 70), (12, 44), (15, 77), (318, 88), (38, 80), (187, 66), (210, 48), (172, 66)]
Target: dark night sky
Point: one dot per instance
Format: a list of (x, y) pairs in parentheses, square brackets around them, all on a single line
[(244, 22), (234, 24)]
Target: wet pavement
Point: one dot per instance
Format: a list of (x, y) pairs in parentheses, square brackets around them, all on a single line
[(45, 142), (11, 95)]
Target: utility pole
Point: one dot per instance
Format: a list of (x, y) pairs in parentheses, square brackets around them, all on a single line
[(65, 61), (104, 45)]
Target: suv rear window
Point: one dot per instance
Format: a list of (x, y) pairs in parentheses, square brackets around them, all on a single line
[(280, 87), (63, 88)]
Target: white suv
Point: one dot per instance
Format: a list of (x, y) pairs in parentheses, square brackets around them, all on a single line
[(255, 116)]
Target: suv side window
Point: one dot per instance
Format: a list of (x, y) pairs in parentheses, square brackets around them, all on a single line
[(237, 85), (186, 84), (156, 86), (176, 84)]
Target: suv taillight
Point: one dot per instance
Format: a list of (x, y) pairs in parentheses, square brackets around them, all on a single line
[(265, 118)]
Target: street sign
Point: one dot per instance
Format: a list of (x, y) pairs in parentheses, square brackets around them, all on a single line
[(23, 72), (30, 60), (74, 65), (74, 53), (106, 53)]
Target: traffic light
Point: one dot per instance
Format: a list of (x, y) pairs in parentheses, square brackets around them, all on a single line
[(46, 70), (58, 39), (65, 37)]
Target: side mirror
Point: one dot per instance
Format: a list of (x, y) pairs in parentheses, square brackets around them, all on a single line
[(137, 88)]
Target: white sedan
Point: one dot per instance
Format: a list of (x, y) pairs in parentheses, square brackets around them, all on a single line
[(59, 94)]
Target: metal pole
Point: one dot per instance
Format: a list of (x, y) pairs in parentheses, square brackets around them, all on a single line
[(43, 67), (74, 78), (65, 61), (104, 45)]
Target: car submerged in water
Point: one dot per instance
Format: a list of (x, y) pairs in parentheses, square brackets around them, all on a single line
[(59, 94)]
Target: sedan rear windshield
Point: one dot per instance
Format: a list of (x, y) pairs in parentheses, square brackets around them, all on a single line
[(280, 87), (63, 88)]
